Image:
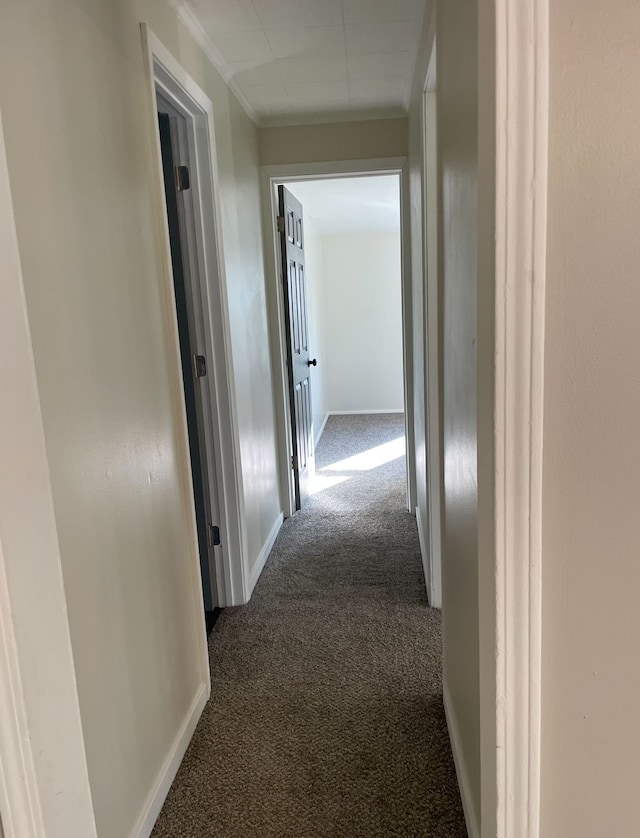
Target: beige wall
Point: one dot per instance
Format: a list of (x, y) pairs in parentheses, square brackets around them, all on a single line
[(455, 29), (591, 526), (333, 141), (457, 62), (74, 106)]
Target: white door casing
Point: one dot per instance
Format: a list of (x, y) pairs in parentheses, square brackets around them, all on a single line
[(166, 74)]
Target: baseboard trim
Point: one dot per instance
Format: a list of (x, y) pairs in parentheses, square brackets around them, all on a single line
[(470, 814), (321, 431), (264, 553), (425, 555), (362, 412), (172, 763)]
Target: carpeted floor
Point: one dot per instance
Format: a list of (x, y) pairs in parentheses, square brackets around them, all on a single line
[(326, 714)]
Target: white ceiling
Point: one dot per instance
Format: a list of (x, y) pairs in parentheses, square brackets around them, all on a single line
[(351, 205), (299, 60)]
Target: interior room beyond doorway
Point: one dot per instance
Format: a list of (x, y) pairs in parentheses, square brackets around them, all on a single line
[(352, 257)]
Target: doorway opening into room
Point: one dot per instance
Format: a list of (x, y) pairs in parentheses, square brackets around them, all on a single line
[(197, 329), (341, 280), (178, 171)]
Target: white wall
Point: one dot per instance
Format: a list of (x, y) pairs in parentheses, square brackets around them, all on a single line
[(79, 151), (455, 27), (362, 322), (39, 676), (591, 528), (457, 67)]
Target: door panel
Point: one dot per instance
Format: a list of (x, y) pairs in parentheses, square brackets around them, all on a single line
[(297, 337)]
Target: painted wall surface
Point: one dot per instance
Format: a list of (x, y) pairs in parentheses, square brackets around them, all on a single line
[(314, 272), (333, 141), (34, 753), (362, 295), (457, 63), (79, 152), (591, 495)]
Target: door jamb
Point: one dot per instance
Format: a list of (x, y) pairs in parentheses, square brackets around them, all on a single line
[(179, 88), (271, 177), (431, 326)]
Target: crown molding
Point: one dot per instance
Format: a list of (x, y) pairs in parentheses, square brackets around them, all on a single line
[(325, 117), (186, 16)]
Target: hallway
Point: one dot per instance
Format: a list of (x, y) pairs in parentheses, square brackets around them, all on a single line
[(326, 716)]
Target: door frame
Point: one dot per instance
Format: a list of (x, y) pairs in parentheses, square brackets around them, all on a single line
[(166, 74), (271, 177), (513, 132), (431, 313)]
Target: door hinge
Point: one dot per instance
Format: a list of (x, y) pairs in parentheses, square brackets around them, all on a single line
[(280, 221), (213, 535), (294, 461), (199, 366), (183, 181)]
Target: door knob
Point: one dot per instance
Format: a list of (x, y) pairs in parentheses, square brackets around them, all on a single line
[(313, 363)]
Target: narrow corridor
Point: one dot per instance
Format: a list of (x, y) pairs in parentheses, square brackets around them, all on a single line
[(326, 715)]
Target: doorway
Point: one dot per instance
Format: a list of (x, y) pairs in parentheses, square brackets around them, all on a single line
[(341, 278), (293, 177), (198, 327), (178, 172)]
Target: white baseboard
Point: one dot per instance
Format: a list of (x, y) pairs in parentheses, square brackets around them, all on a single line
[(321, 431), (363, 412), (172, 763), (470, 814), (424, 552), (264, 553)]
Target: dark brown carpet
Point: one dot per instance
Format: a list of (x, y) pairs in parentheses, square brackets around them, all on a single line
[(326, 714)]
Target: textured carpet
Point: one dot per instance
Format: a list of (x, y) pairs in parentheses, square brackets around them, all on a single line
[(326, 714)]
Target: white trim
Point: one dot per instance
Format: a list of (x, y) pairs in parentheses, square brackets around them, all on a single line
[(434, 593), (431, 327), (331, 116), (264, 553), (170, 766), (320, 432), (231, 562), (521, 125), (364, 412), (44, 781), (271, 176), (333, 169), (462, 772), (424, 554), (186, 16)]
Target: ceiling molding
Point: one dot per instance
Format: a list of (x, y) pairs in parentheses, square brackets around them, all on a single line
[(192, 24), (413, 59), (323, 117)]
